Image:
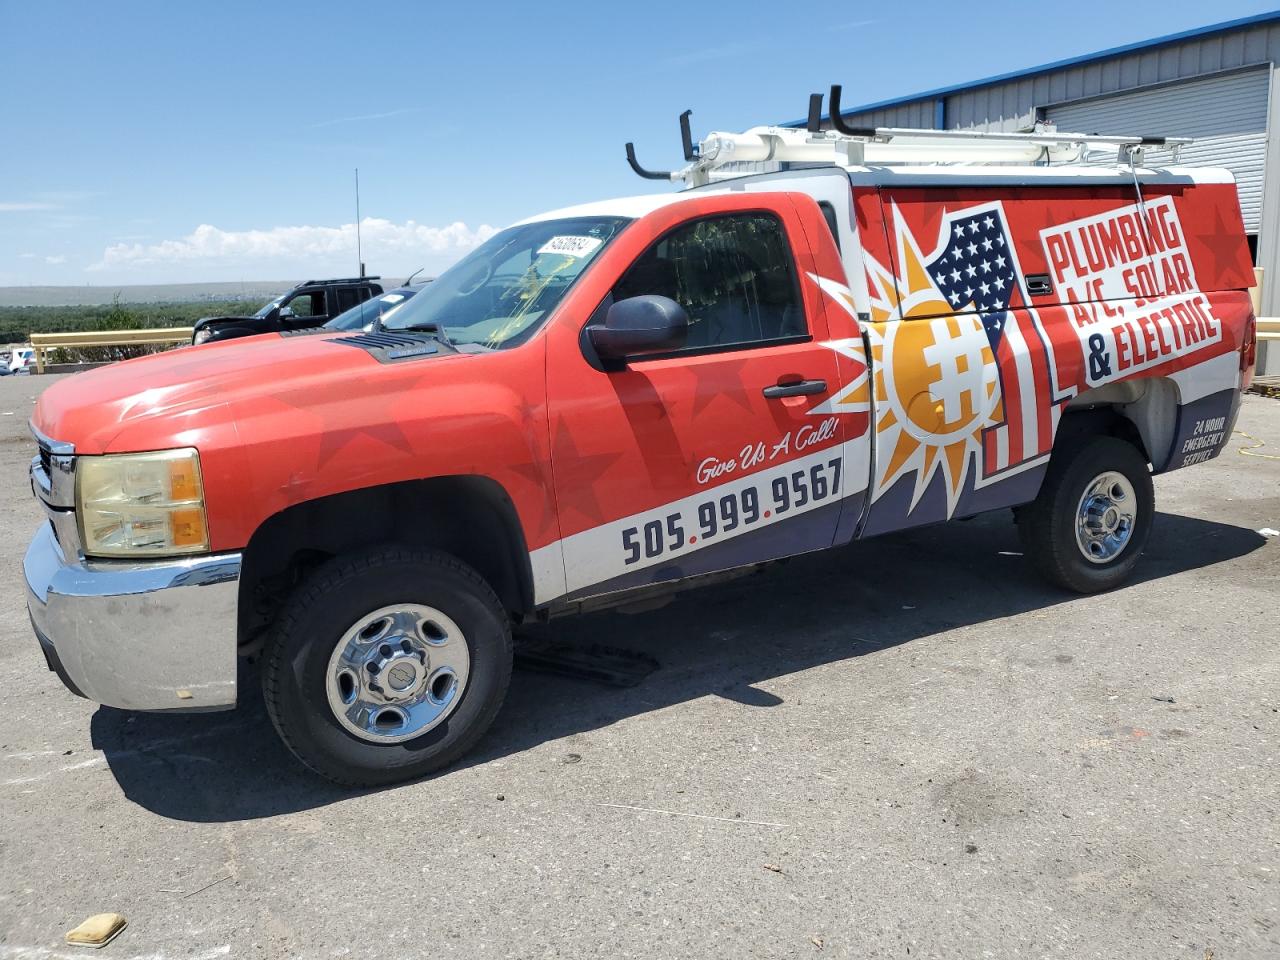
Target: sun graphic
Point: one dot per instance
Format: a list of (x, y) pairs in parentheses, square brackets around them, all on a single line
[(934, 381)]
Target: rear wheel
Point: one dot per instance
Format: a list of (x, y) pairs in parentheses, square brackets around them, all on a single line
[(387, 665), (1087, 528)]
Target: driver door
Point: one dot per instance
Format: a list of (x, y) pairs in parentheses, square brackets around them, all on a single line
[(714, 455), (308, 310)]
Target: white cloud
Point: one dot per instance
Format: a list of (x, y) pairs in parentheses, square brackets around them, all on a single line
[(17, 206), (369, 116), (852, 24), (734, 48), (55, 259), (382, 241)]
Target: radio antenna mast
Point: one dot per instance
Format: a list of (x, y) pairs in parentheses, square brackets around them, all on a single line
[(359, 251)]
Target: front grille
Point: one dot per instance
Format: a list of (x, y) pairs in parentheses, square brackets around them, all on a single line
[(46, 459)]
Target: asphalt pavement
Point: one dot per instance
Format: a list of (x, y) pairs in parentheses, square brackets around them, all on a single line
[(907, 748)]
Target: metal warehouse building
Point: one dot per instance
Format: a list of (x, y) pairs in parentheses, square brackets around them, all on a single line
[(1218, 84)]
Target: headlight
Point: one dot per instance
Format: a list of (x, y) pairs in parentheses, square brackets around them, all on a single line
[(141, 504), (203, 334)]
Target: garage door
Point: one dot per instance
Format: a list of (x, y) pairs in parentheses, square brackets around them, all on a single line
[(1227, 114)]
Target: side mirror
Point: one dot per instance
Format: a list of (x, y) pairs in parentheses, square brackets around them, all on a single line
[(640, 325), (284, 312)]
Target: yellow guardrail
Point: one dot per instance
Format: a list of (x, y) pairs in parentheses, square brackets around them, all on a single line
[(42, 342), (1269, 328)]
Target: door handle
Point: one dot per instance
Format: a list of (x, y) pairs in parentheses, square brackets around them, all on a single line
[(797, 388)]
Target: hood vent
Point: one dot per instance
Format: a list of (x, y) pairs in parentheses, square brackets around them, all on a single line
[(386, 347), (305, 331)]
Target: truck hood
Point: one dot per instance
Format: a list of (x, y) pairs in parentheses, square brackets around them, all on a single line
[(171, 399)]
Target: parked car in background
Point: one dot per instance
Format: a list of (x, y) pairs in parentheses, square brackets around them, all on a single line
[(368, 315), (309, 304), (22, 360)]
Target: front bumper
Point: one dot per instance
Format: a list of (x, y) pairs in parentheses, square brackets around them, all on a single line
[(158, 635)]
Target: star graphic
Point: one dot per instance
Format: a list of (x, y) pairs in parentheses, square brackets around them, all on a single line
[(720, 378), (577, 474), (329, 404), (538, 476), (1220, 244)]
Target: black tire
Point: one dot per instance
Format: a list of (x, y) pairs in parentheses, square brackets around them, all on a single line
[(1047, 525), (314, 620)]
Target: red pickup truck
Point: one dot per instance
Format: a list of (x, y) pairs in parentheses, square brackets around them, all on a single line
[(627, 398)]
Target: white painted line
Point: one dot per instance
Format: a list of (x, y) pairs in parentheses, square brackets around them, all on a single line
[(695, 816)]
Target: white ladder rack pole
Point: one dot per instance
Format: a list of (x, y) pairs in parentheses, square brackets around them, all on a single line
[(897, 145)]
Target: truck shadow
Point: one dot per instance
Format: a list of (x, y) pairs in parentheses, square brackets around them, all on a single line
[(720, 640)]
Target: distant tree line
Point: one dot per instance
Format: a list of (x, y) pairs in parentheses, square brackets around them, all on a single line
[(18, 323)]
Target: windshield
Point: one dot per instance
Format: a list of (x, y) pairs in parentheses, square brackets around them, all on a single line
[(498, 295), (269, 307), (363, 314)]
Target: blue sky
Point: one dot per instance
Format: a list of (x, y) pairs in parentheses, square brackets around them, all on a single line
[(173, 142)]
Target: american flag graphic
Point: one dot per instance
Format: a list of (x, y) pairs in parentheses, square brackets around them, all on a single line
[(977, 270)]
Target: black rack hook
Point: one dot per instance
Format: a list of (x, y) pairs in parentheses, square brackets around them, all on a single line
[(686, 137), (641, 171), (815, 113), (686, 142), (837, 121)]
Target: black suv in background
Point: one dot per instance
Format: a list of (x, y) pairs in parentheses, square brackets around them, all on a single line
[(309, 304)]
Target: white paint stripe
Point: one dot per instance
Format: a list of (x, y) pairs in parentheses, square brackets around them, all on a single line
[(82, 765), (1026, 385), (150, 747), (1002, 447), (695, 816), (597, 554), (547, 564), (1211, 376), (20, 952)]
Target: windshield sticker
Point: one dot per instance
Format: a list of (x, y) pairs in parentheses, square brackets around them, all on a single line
[(570, 246), (393, 298)]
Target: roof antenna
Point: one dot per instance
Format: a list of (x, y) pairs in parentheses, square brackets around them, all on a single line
[(815, 113), (359, 252), (837, 120)]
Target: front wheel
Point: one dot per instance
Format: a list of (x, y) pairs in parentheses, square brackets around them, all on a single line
[(387, 665), (1087, 528)]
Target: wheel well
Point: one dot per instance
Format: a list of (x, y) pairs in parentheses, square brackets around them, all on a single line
[(1102, 421), (1141, 412), (471, 518)]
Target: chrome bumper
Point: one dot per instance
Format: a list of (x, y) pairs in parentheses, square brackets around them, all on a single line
[(138, 636)]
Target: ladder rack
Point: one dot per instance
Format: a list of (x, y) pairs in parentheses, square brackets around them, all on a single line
[(854, 146)]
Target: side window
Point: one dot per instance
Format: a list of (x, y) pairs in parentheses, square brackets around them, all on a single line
[(829, 214), (307, 304), (348, 297), (732, 274)]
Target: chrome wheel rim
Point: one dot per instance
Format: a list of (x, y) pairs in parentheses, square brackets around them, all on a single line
[(1105, 517), (397, 672)]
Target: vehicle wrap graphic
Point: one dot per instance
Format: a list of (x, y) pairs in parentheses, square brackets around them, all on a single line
[(972, 381), (666, 535), (942, 384), (1131, 287)]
